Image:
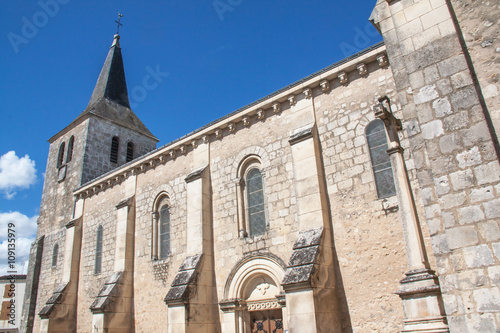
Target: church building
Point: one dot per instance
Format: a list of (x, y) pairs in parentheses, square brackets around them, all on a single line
[(362, 198)]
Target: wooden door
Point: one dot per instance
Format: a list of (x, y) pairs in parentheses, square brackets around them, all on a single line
[(267, 321)]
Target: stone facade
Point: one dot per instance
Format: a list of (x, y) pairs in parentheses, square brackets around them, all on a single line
[(332, 253)]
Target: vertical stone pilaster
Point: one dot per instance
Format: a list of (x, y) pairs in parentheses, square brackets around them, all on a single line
[(454, 148)]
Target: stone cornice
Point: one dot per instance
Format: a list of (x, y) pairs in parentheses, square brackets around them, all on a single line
[(269, 106)]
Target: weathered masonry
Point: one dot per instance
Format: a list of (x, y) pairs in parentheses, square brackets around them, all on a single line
[(362, 198)]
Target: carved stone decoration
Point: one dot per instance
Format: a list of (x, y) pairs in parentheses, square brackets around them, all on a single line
[(263, 305), (172, 154), (343, 78), (246, 121), (362, 69), (276, 107), (307, 92), (143, 167), (205, 139), (162, 158), (194, 144), (382, 60), (325, 85), (232, 128), (183, 150), (261, 114), (218, 133), (292, 100)]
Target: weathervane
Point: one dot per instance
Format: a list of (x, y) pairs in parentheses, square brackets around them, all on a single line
[(119, 24)]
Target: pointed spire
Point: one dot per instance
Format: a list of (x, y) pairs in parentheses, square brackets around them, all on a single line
[(111, 83)]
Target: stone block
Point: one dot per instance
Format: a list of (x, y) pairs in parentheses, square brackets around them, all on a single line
[(494, 275), (481, 194), (469, 158), (471, 279), (462, 179), (478, 256), (481, 322), (452, 65), (440, 244), (442, 107), (456, 121), (417, 10), (442, 185), (492, 208), (448, 220), (470, 214), (444, 86), (460, 237), (426, 94), (474, 134), (464, 98), (489, 230), (487, 300), (487, 173), (435, 16), (453, 200), (461, 79), (496, 249), (432, 129)]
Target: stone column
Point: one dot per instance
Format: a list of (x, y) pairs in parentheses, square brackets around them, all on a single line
[(420, 289)]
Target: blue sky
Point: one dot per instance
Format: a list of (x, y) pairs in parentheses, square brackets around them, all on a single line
[(214, 57)]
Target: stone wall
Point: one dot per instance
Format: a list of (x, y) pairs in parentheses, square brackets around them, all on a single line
[(97, 155), (454, 154), (480, 27)]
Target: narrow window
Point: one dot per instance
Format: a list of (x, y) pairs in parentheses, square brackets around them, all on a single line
[(60, 157), (5, 311), (6, 291), (113, 157), (98, 251), (164, 232), (255, 202), (69, 154), (381, 162), (130, 151), (55, 251)]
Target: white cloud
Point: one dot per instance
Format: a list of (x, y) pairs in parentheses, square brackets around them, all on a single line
[(24, 226), (25, 232), (15, 173), (22, 254)]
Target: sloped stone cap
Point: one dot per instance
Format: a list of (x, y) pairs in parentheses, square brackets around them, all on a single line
[(107, 294), (308, 238), (302, 264), (185, 281), (53, 300)]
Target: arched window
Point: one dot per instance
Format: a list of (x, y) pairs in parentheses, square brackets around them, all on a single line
[(69, 154), (130, 151), (255, 202), (113, 156), (60, 156), (55, 251), (98, 250), (164, 232), (381, 162)]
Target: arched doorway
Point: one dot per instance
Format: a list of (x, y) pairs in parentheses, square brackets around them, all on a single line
[(255, 300)]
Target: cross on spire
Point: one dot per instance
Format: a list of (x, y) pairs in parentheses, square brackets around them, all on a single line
[(118, 22)]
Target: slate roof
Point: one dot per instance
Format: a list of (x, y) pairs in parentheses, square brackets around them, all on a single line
[(109, 99)]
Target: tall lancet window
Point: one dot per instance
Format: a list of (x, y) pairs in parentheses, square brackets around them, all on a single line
[(381, 162), (164, 232), (98, 250), (55, 252), (255, 202), (130, 151), (60, 156), (113, 156), (69, 154)]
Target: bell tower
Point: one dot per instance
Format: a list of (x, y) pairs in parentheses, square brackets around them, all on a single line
[(106, 135)]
